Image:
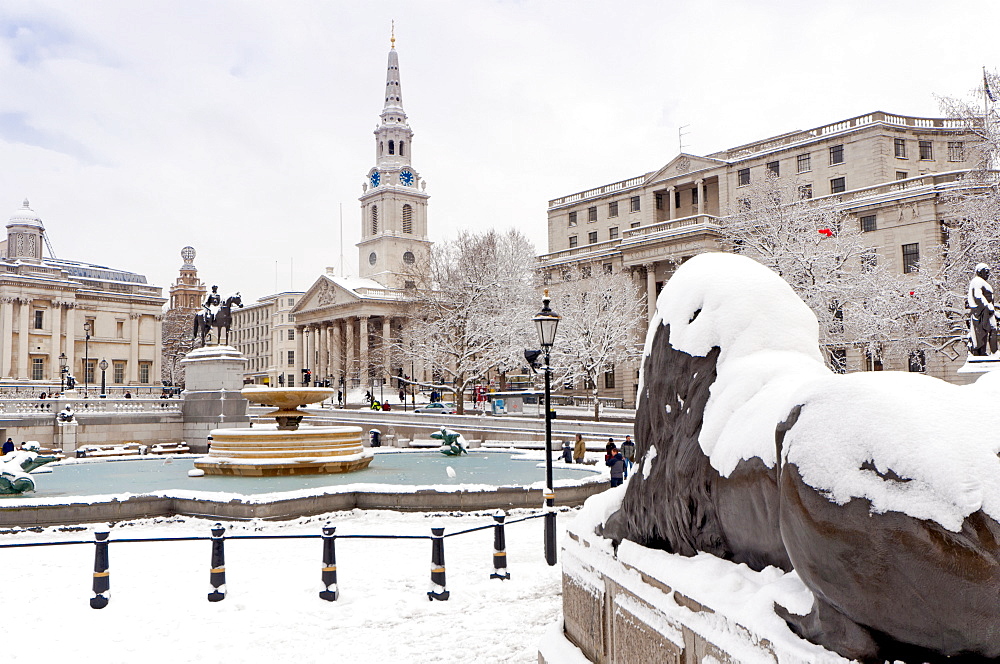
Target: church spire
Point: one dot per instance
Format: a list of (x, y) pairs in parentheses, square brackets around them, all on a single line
[(392, 112)]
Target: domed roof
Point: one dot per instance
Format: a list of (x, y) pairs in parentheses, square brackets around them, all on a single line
[(25, 216)]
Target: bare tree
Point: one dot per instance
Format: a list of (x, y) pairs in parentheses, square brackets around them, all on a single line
[(471, 311), (599, 330), (178, 340)]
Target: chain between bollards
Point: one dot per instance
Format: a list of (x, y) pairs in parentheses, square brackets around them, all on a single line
[(499, 549), (438, 586), (550, 526), (102, 580), (330, 590), (217, 577)]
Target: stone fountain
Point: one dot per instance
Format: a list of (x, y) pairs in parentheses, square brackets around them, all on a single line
[(285, 448)]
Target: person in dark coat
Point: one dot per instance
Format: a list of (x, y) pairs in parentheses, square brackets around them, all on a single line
[(8, 446), (628, 451), (616, 462)]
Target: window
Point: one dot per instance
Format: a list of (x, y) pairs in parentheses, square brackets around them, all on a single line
[(118, 372), (868, 223), (609, 379), (586, 271), (144, 371), (805, 191), (412, 285), (659, 201), (838, 360), (291, 358), (613, 233), (572, 219), (37, 368), (290, 381), (956, 151), (407, 218), (592, 214), (926, 150), (899, 146), (633, 204), (774, 167), (911, 256), (837, 185), (743, 177), (401, 146), (836, 154), (409, 258), (869, 262), (917, 362), (635, 224), (609, 268), (677, 199), (291, 334), (291, 301), (89, 368), (802, 163), (902, 175), (613, 209), (573, 241), (392, 148), (120, 329), (694, 196), (374, 219), (592, 237), (39, 318), (743, 204)]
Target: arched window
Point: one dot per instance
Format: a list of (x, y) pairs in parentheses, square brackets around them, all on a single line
[(381, 147), (402, 145), (392, 147), (407, 218), (374, 219), (409, 258)]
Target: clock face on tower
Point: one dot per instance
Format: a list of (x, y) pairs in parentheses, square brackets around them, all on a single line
[(375, 178), (406, 177)]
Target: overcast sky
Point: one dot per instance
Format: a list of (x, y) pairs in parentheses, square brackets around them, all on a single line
[(242, 128)]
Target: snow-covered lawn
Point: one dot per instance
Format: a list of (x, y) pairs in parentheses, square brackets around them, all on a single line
[(159, 612)]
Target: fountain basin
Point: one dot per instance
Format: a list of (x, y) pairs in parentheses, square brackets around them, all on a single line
[(269, 450)]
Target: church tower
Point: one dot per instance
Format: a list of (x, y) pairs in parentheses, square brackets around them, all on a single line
[(24, 235), (394, 245)]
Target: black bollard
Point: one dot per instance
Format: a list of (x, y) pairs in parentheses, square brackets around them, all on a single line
[(438, 590), (217, 577), (499, 549), (550, 527), (331, 592), (102, 582)]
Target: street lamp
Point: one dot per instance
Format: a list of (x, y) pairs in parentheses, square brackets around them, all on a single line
[(87, 327), (546, 321), (104, 367), (62, 372)]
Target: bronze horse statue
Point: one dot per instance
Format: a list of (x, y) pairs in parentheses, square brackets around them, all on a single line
[(204, 321)]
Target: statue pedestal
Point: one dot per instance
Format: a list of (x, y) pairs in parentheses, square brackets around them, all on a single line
[(980, 364), (66, 437), (212, 397)]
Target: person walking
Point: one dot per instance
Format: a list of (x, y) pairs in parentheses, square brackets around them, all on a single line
[(628, 452), (8, 446), (616, 462), (579, 449)]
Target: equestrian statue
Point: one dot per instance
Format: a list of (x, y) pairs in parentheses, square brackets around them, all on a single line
[(217, 314)]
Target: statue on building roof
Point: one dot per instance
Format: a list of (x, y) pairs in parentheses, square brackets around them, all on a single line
[(982, 314)]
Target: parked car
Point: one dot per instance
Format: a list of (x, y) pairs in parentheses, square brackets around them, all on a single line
[(440, 408)]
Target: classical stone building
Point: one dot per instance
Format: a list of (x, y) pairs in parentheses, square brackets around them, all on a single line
[(186, 295), (265, 333), (58, 313), (345, 326), (891, 172)]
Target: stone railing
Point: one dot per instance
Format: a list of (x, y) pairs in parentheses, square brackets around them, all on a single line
[(630, 183), (84, 406), (672, 227), (596, 248)]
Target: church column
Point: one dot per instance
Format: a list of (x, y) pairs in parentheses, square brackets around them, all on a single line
[(650, 291), (322, 368), (22, 339), (133, 350), (7, 335), (701, 195), (349, 343), (71, 336), (156, 376), (300, 331), (363, 351), (386, 346), (670, 202), (55, 341)]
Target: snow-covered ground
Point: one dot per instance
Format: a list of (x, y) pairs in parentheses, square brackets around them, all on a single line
[(159, 612)]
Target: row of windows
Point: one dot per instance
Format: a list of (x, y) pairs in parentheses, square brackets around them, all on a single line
[(803, 164), (925, 148), (916, 363), (634, 203), (586, 271), (592, 236), (407, 221), (392, 148)]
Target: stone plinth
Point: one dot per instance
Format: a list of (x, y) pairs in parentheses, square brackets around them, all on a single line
[(980, 364), (212, 397), (66, 437), (214, 368), (268, 451)]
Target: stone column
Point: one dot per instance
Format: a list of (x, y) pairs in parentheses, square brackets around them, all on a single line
[(132, 377), (670, 202), (55, 345), (300, 331), (22, 339), (324, 350), (386, 346), (71, 337), (363, 349), (650, 290), (349, 344), (333, 338), (7, 336), (157, 346), (701, 195)]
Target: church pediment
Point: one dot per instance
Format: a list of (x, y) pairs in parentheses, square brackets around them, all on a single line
[(682, 165), (324, 293)]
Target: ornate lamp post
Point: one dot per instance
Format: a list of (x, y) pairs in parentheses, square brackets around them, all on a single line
[(546, 321), (62, 372), (104, 368), (86, 356)]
